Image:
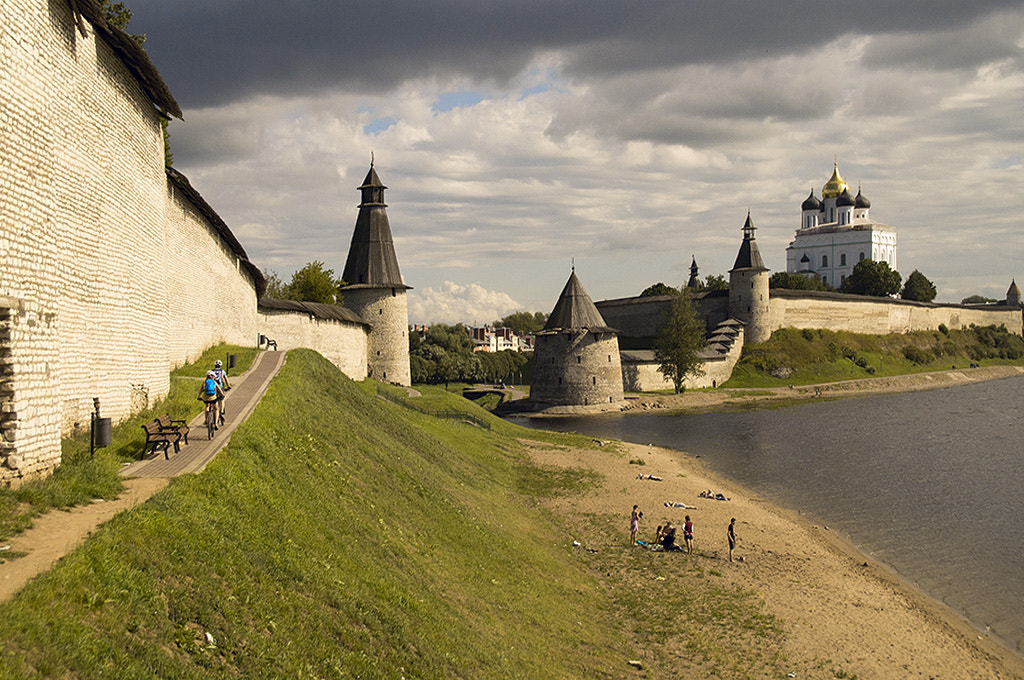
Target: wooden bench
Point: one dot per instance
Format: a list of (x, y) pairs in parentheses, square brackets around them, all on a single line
[(157, 438), (169, 425)]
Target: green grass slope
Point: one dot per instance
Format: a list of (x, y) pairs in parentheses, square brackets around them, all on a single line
[(338, 535)]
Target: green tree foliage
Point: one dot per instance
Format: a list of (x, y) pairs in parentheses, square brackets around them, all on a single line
[(977, 300), (445, 354), (715, 282), (314, 283), (523, 322), (918, 287), (680, 340), (870, 277), (793, 281), (658, 289), (275, 287)]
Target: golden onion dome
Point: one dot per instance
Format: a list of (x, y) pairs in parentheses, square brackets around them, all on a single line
[(835, 185)]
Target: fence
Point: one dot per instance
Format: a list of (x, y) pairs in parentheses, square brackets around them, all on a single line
[(447, 414)]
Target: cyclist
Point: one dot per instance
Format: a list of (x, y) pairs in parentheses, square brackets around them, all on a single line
[(221, 376), (210, 391)]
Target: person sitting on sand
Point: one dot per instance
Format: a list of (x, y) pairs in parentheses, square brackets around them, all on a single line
[(679, 504), (668, 539)]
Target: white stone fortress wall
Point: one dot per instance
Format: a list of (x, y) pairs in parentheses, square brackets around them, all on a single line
[(880, 316), (105, 275), (387, 312)]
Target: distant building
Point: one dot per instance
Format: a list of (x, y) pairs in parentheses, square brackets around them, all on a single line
[(488, 339), (836, 232)]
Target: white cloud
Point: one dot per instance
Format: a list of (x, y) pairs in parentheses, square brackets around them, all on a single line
[(453, 303)]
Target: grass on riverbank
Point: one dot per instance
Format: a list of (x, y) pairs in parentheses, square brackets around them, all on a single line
[(808, 357), (79, 478), (341, 535)]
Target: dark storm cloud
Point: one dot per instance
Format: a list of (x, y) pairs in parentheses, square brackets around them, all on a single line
[(214, 52)]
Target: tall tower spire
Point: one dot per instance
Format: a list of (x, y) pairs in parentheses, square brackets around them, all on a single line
[(375, 290), (748, 288)]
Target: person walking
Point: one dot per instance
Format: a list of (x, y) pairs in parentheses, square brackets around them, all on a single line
[(688, 535), (732, 537), (634, 524)]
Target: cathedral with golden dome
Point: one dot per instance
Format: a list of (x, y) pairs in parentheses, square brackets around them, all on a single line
[(836, 232)]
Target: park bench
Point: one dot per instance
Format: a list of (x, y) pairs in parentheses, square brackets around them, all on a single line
[(167, 424), (157, 438)]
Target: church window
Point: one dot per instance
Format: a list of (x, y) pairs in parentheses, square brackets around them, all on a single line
[(842, 279), (842, 260), (824, 260), (861, 258)]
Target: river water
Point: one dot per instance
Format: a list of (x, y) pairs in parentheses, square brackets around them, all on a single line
[(930, 483)]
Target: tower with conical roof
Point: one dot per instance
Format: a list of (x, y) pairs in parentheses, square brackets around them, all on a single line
[(576, 355), (694, 281), (1013, 294), (748, 288), (375, 290)]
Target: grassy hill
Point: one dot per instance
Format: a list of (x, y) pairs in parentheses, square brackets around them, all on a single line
[(807, 357), (338, 535)]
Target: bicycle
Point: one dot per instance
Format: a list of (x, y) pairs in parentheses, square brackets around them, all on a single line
[(211, 418)]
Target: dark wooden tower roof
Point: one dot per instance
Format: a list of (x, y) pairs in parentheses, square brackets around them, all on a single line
[(575, 310), (372, 262), (749, 256)]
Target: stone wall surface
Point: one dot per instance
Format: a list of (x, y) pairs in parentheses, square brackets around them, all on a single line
[(106, 279), (387, 312), (878, 316), (343, 344), (576, 367)]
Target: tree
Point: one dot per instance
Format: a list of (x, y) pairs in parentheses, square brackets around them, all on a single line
[(680, 340), (313, 283), (658, 289), (870, 277), (794, 281), (918, 287), (523, 322), (977, 300), (275, 287), (715, 282)]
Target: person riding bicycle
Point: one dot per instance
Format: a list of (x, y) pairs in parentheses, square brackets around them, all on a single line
[(221, 376), (210, 391)]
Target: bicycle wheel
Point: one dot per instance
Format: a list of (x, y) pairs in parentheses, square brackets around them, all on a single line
[(211, 422)]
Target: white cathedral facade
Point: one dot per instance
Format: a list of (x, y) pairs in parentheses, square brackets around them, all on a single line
[(836, 233)]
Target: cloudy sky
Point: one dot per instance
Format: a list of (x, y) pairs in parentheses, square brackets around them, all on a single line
[(516, 137)]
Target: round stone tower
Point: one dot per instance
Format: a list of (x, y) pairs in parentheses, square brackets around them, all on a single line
[(375, 290), (576, 356), (748, 289)]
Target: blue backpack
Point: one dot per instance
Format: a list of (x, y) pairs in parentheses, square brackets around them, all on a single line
[(210, 387)]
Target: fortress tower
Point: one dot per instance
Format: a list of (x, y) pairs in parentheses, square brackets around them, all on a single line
[(748, 288), (375, 290), (576, 357)]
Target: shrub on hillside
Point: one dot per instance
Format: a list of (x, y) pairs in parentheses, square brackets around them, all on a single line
[(917, 355)]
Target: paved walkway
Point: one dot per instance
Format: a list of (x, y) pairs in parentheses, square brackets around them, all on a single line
[(57, 533), (240, 401)]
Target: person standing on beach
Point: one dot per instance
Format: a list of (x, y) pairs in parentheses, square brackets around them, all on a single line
[(732, 537), (688, 535), (634, 524)]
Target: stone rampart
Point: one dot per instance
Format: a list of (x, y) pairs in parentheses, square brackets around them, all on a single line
[(576, 367), (341, 340), (107, 277), (881, 316)]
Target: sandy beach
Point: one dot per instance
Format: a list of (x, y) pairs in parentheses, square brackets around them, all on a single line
[(839, 608)]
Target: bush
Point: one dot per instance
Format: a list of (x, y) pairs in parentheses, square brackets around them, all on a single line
[(943, 329), (917, 355), (807, 334)]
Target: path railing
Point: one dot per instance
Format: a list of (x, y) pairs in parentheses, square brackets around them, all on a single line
[(447, 414)]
